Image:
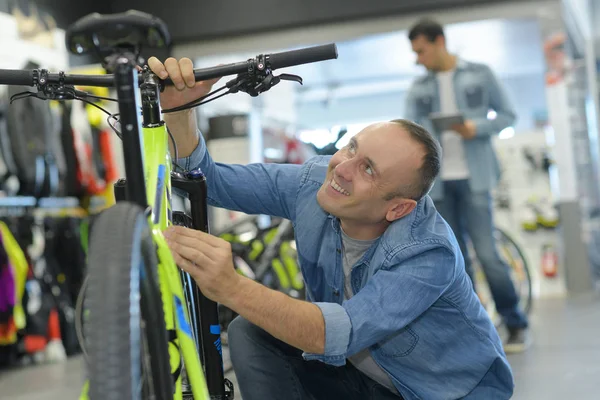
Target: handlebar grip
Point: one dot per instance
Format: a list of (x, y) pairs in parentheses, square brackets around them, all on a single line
[(303, 56), (204, 74), (16, 77)]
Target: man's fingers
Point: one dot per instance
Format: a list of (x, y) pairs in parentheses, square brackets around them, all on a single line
[(203, 236), (185, 265), (157, 67), (200, 89), (187, 242), (172, 67), (187, 71), (188, 253)]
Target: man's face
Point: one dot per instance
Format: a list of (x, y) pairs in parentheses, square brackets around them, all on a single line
[(428, 53), (379, 160)]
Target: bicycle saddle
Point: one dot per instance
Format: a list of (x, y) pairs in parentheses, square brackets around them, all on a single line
[(107, 33)]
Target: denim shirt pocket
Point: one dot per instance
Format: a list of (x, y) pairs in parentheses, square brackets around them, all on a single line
[(475, 96), (424, 105), (398, 345)]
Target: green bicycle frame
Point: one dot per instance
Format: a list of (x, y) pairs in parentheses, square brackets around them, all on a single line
[(149, 182), (158, 189), (157, 178), (148, 173)]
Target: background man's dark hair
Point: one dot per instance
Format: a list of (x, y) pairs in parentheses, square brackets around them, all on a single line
[(427, 27), (430, 168)]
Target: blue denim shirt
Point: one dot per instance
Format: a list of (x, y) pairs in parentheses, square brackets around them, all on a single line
[(414, 307), (477, 91)]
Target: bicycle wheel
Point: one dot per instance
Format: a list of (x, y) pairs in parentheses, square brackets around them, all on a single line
[(126, 360), (513, 256), (519, 268)]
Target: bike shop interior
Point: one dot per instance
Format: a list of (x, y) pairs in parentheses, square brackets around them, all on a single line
[(59, 163)]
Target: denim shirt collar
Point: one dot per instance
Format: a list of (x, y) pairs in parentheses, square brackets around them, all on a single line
[(336, 225), (461, 64), (406, 222)]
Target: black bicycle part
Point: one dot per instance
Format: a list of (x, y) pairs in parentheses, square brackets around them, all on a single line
[(194, 184), (180, 218), (150, 94), (120, 190), (253, 82), (272, 62), (255, 76), (229, 390), (191, 293), (121, 302), (108, 34), (501, 235), (125, 78)]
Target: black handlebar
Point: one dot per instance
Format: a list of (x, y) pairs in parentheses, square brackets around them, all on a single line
[(16, 77), (303, 56), (26, 78), (275, 61)]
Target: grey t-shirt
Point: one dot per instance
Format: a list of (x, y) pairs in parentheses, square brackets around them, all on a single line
[(353, 250)]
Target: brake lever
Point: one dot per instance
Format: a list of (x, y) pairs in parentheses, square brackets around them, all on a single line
[(66, 93), (290, 77), (22, 95), (267, 83), (272, 80)]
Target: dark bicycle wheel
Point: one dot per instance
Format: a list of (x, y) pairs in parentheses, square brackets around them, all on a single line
[(519, 268), (126, 338), (515, 259)]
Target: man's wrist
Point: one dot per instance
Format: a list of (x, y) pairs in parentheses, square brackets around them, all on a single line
[(180, 121), (183, 127), (239, 290), (177, 114)]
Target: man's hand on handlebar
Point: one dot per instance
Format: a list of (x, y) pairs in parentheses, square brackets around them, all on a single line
[(184, 88)]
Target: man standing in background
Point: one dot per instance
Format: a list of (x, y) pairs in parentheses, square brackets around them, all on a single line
[(470, 170)]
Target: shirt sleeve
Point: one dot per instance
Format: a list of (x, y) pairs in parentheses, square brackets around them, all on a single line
[(500, 103), (410, 108), (390, 300), (269, 189)]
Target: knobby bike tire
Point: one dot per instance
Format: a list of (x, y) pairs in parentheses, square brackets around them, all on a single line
[(529, 301), (122, 297)]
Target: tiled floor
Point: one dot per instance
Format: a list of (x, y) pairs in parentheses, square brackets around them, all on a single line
[(61, 381), (563, 363)]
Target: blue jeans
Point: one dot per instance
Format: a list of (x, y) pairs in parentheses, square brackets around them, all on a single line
[(471, 213), (267, 368)]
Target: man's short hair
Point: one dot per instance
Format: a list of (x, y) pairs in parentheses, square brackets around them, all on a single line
[(430, 167), (427, 27)]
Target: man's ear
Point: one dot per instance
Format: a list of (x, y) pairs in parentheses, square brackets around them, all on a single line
[(400, 208)]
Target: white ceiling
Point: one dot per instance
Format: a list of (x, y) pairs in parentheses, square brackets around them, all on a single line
[(385, 62), (510, 47)]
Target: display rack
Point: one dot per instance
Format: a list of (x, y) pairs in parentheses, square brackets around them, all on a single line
[(15, 206)]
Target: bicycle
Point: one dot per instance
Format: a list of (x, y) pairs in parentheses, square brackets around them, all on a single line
[(269, 254), (515, 258), (149, 324)]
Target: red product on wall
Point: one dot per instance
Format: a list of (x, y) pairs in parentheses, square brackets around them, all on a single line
[(549, 261)]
